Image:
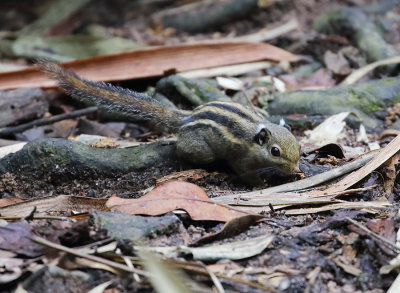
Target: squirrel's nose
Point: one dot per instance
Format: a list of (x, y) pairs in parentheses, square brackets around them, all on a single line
[(296, 169)]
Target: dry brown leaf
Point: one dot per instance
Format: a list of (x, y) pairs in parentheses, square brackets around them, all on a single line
[(383, 227), (16, 237), (330, 149), (319, 80), (192, 174), (154, 61), (59, 203), (176, 195), (389, 132), (391, 173), (9, 201), (231, 228), (337, 63)]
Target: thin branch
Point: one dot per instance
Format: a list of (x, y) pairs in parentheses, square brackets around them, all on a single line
[(388, 243), (46, 121), (200, 269), (75, 252), (216, 282), (15, 218)]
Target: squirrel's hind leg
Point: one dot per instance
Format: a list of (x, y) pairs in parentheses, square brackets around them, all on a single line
[(194, 148)]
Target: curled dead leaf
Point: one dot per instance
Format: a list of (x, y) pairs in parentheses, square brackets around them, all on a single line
[(176, 195)]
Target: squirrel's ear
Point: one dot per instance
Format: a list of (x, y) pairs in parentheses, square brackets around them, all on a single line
[(262, 136), (283, 123), (287, 127)]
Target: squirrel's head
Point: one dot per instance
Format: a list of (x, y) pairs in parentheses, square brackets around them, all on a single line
[(279, 147)]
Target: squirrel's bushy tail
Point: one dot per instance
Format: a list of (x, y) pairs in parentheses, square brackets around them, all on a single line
[(114, 98)]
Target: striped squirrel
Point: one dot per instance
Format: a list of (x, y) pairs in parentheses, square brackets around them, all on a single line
[(225, 131)]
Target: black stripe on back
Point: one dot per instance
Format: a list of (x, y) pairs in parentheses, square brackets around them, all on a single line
[(200, 125), (233, 109), (219, 119)]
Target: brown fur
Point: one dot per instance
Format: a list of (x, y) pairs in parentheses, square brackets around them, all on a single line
[(115, 98), (214, 131)]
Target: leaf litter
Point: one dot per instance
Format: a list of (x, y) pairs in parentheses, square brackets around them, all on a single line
[(172, 196), (315, 234)]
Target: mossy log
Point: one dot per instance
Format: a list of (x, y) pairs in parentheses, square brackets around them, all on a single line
[(360, 30), (367, 100), (75, 159), (196, 92), (206, 15)]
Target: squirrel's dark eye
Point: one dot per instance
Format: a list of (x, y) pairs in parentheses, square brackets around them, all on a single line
[(275, 152)]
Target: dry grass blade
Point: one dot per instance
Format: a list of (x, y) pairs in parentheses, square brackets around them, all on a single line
[(384, 154), (216, 282), (251, 204), (154, 61), (231, 70), (164, 278), (395, 287), (340, 205), (271, 34), (305, 183), (361, 72), (263, 35), (285, 198), (100, 288)]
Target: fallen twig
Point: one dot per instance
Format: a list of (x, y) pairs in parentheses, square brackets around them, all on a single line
[(112, 264), (389, 244), (267, 35), (361, 72), (16, 218), (46, 121), (230, 70), (261, 36), (200, 269)]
